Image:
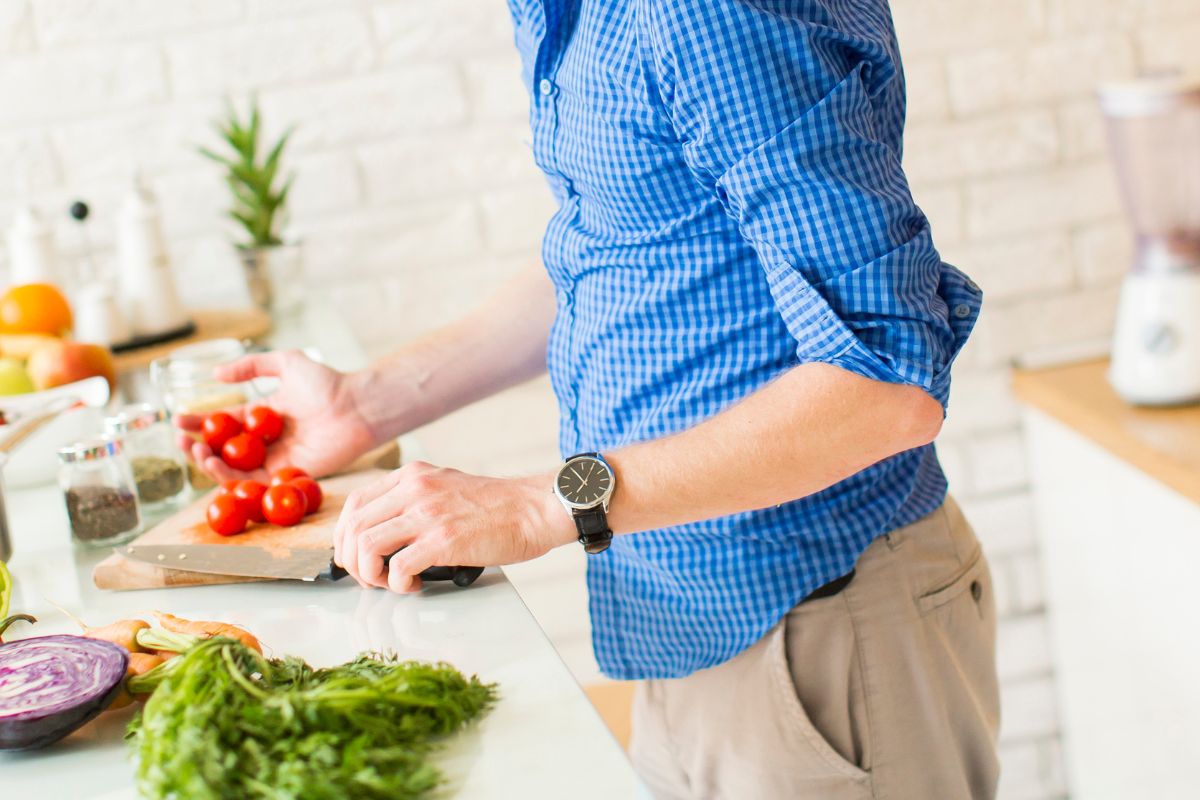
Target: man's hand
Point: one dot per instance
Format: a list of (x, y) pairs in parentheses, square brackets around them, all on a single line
[(323, 428), (443, 517)]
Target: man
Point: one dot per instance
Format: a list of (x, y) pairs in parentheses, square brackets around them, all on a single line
[(749, 332)]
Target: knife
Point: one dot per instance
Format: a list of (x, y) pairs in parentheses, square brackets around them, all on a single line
[(303, 564)]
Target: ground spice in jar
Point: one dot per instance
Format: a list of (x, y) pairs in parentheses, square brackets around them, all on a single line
[(157, 478), (101, 512)]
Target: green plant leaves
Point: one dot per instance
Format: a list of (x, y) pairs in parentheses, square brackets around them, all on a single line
[(258, 201), (227, 722)]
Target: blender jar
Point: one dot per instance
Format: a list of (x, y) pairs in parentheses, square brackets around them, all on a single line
[(1154, 136)]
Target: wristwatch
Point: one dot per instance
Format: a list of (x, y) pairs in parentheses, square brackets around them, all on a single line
[(584, 485)]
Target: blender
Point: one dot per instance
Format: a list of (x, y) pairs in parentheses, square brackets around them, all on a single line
[(1154, 134)]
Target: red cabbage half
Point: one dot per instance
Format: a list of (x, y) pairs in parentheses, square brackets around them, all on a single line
[(51, 685)]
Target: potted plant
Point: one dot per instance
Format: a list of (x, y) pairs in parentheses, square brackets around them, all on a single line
[(260, 191)]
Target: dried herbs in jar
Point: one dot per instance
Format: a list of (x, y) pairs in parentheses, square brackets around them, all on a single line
[(157, 478)]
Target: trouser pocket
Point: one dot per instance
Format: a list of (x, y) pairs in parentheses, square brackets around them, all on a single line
[(814, 665)]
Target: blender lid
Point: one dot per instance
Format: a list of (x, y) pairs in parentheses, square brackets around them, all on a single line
[(1148, 96)]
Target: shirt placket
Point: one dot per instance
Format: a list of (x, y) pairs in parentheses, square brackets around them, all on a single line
[(546, 134)]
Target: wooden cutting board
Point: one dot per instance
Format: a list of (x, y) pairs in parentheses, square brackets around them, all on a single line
[(211, 323), (188, 526), (117, 573)]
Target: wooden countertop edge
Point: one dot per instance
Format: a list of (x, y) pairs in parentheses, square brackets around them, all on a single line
[(1110, 432)]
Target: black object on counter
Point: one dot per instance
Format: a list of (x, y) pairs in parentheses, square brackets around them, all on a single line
[(459, 576)]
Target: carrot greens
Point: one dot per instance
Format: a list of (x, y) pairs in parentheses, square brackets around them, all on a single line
[(224, 721)]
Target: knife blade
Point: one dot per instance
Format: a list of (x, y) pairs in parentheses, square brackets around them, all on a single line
[(303, 564)]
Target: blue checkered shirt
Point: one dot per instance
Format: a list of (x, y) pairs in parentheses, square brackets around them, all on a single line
[(730, 204)]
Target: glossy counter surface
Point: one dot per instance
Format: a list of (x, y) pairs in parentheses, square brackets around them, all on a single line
[(542, 740)]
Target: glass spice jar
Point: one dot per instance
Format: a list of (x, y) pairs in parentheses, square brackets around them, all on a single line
[(185, 379), (99, 491), (159, 469)]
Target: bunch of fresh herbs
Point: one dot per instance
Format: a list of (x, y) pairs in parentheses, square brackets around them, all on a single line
[(223, 721), (259, 189)]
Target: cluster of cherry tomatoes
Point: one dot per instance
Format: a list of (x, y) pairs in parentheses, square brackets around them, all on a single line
[(290, 496), (242, 445)]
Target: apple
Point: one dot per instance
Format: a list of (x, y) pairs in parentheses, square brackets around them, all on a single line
[(21, 345), (13, 377), (61, 362)]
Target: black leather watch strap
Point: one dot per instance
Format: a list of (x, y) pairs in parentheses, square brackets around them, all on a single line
[(592, 523), (594, 533)]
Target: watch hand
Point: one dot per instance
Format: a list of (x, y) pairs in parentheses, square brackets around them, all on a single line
[(577, 475)]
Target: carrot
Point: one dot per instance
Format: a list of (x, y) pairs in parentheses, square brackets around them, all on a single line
[(123, 633), (139, 663), (207, 630)]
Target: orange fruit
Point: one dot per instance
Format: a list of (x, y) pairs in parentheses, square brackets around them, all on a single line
[(35, 308)]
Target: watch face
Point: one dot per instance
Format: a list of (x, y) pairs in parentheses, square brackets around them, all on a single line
[(584, 482)]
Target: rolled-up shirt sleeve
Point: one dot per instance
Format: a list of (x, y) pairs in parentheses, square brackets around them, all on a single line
[(774, 104)]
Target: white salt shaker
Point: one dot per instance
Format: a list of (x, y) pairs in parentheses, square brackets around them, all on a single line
[(98, 315), (32, 258)]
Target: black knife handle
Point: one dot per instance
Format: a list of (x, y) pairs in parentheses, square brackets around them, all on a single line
[(459, 576)]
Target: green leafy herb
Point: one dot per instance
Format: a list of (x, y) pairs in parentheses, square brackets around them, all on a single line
[(223, 721), (259, 189)]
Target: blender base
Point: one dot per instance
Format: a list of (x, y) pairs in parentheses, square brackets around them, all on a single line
[(1156, 347)]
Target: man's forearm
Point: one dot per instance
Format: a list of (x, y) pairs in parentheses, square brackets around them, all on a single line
[(499, 344), (813, 427)]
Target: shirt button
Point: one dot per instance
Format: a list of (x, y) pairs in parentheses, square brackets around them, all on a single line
[(962, 311), (546, 87)]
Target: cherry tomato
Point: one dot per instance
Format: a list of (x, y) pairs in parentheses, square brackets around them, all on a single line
[(226, 515), (244, 452), (265, 422), (249, 495), (312, 493), (287, 475), (228, 487), (218, 428), (284, 505)]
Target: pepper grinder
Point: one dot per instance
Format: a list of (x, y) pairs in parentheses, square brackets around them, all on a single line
[(98, 318), (148, 294)]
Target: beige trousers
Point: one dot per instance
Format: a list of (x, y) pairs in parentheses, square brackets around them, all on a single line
[(885, 690)]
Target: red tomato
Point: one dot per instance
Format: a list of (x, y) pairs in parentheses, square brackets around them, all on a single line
[(227, 487), (249, 495), (284, 505), (244, 452), (312, 493), (218, 428), (265, 422), (226, 516), (287, 475)]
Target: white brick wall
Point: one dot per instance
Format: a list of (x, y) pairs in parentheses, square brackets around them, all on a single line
[(1008, 157), (417, 195)]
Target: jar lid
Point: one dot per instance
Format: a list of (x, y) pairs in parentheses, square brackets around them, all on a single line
[(134, 418), (89, 450)]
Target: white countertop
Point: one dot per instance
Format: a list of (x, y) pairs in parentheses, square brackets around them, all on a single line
[(542, 740)]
